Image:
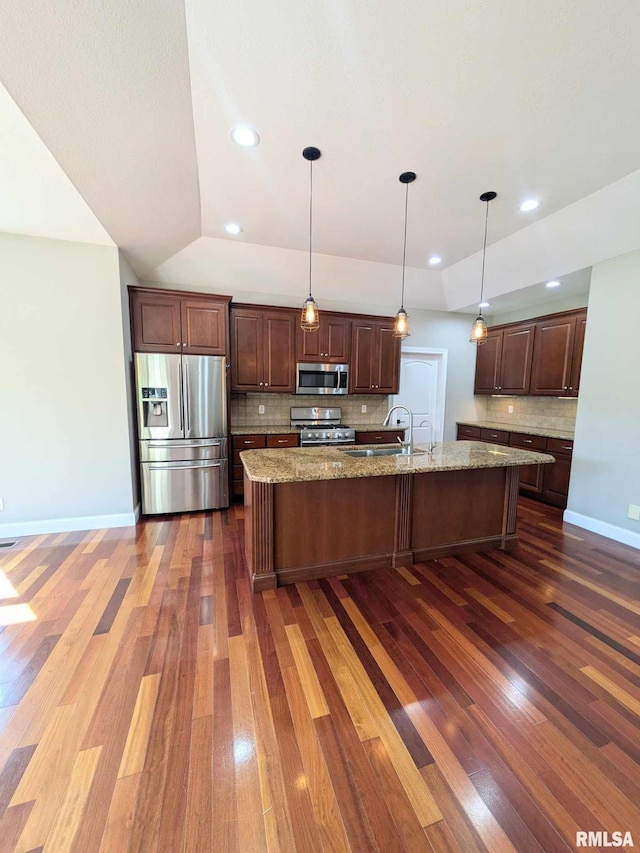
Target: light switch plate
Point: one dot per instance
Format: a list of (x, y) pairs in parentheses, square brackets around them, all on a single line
[(510, 410), (261, 410), (634, 512), (363, 409)]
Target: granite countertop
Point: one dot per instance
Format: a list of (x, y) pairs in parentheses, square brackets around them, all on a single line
[(273, 429), (529, 430), (303, 464)]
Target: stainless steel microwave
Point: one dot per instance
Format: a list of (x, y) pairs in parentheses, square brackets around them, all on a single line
[(322, 378)]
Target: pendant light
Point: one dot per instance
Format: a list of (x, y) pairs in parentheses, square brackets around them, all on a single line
[(479, 328), (310, 317), (401, 327)]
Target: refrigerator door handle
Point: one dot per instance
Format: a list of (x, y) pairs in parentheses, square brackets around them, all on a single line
[(187, 401), (181, 392), (174, 467)]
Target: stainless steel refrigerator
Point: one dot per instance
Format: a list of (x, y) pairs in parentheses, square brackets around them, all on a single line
[(182, 428)]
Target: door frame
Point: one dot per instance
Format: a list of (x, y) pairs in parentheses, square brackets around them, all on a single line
[(441, 356)]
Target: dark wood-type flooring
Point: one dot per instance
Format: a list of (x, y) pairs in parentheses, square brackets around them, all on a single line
[(150, 702)]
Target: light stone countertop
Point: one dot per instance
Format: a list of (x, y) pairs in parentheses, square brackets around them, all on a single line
[(304, 464), (273, 429), (519, 428)]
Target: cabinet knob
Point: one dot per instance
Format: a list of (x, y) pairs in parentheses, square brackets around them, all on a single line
[(266, 384), (565, 388), (178, 344), (184, 345), (570, 387)]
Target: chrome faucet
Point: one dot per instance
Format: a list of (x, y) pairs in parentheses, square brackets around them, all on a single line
[(408, 443), (431, 445)]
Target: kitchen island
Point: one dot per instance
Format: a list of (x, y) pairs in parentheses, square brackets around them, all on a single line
[(316, 512)]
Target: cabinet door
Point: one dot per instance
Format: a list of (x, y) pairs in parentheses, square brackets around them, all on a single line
[(156, 323), (279, 351), (551, 367), (204, 327), (246, 350), (515, 359), (329, 344), (337, 339), (361, 377), (576, 360), (386, 363), (555, 488), (488, 364)]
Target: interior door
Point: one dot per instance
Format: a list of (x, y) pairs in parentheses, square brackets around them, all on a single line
[(422, 384)]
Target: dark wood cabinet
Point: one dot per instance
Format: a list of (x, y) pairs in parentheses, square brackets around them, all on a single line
[(503, 362), (379, 436), (330, 344), (262, 349), (555, 371), (541, 356), (256, 441), (549, 483), (555, 486), (177, 321), (375, 362)]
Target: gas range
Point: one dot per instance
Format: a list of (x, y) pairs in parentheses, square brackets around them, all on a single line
[(321, 427)]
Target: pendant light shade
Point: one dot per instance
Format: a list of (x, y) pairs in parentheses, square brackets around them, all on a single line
[(310, 317), (401, 326), (479, 328)]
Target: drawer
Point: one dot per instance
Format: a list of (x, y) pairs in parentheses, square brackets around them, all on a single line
[(494, 436), (560, 445), (381, 437), (465, 431), (283, 440), (248, 442), (528, 442)]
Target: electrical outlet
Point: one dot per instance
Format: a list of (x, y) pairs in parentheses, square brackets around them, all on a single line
[(510, 409), (363, 409), (634, 512), (261, 410)]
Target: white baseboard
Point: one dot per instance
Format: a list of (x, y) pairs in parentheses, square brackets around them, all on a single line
[(611, 531), (11, 530)]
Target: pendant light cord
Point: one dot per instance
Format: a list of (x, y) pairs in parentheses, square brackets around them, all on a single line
[(484, 254), (310, 220), (404, 247)]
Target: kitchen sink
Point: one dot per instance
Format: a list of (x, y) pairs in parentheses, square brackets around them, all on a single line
[(382, 451)]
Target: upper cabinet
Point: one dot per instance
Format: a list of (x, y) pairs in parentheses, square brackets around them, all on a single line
[(503, 363), (263, 349), (558, 355), (331, 343), (540, 356), (173, 321), (375, 360)]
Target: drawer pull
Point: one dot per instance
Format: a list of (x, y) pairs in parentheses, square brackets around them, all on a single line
[(528, 441), (248, 442), (567, 448), (283, 440)]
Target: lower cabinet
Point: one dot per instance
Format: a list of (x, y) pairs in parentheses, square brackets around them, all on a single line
[(381, 437), (548, 483), (256, 441)]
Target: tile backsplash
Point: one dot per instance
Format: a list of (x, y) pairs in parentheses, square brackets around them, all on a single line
[(552, 412), (244, 408)]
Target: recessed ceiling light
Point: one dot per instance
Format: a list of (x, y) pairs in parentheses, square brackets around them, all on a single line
[(529, 204), (484, 304), (434, 259), (245, 136), (233, 228), (554, 283)]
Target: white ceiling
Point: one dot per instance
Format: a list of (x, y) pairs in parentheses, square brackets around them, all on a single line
[(135, 101)]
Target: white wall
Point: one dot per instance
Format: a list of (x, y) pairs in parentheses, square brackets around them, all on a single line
[(64, 445), (605, 473)]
